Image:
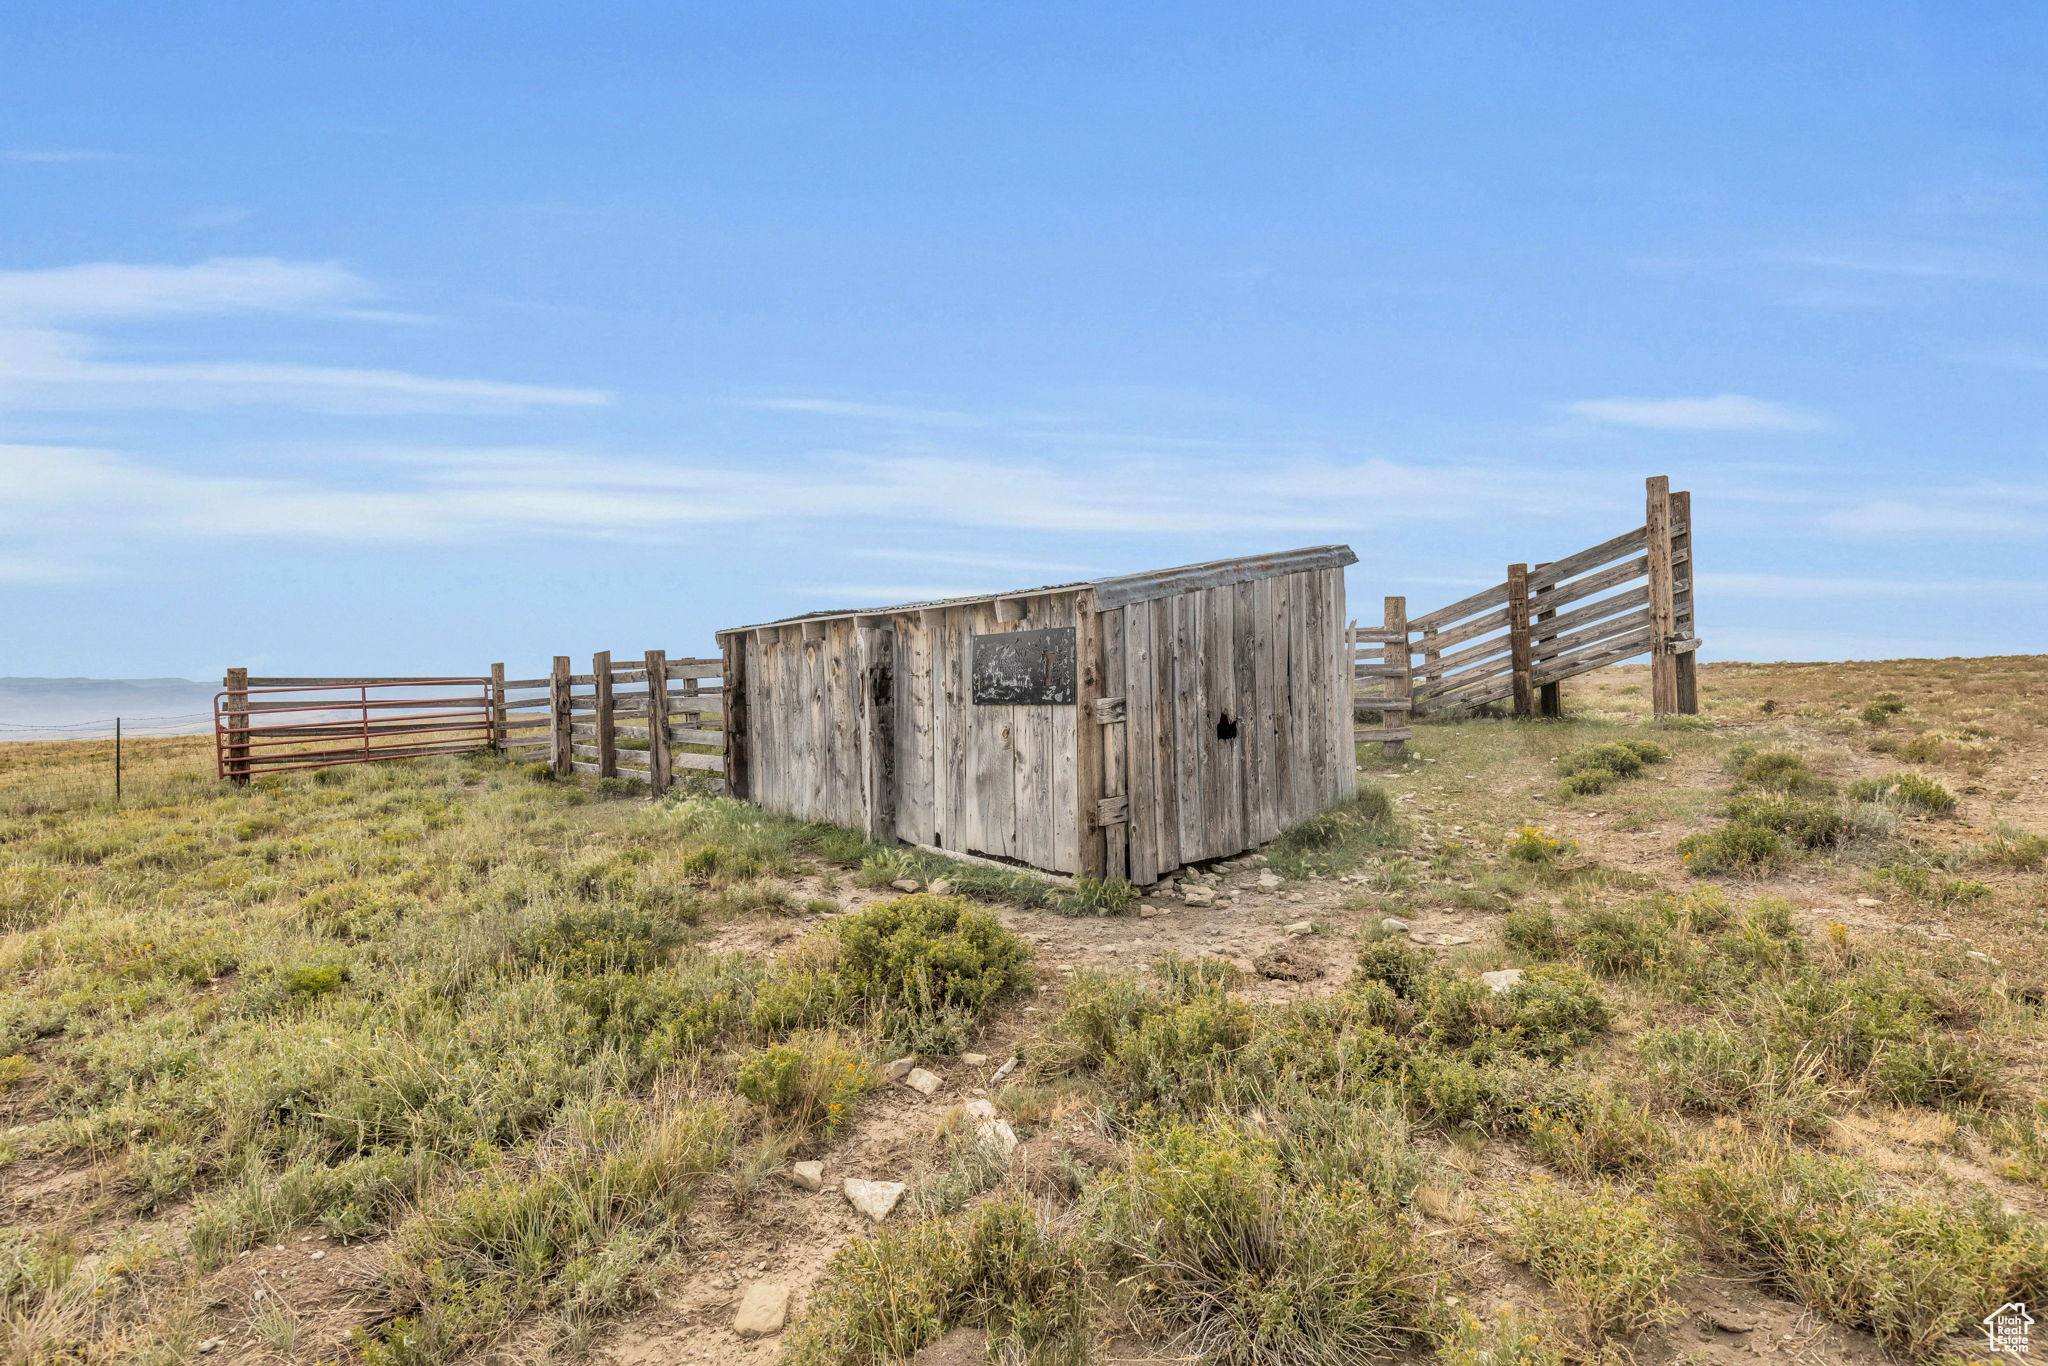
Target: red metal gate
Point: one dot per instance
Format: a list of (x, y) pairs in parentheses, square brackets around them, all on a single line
[(277, 725)]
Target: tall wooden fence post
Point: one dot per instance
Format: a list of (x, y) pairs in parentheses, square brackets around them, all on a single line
[(560, 752), (1663, 607), (236, 683), (657, 722), (1683, 625), (1399, 685), (1521, 650), (878, 731), (732, 705), (1549, 696), (605, 717), (497, 741)]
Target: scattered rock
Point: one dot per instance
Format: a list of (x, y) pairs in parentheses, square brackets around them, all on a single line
[(905, 884), (763, 1310), (923, 1082), (808, 1176), (1146, 910), (1003, 1071), (975, 1059), (873, 1198), (1502, 980), (1454, 939), (997, 1134), (1271, 882), (1195, 895), (1257, 860), (942, 886), (1393, 924), (212, 1345), (1300, 928), (1868, 901), (1730, 1322), (899, 1069)]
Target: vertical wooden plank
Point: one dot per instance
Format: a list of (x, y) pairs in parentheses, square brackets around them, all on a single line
[(498, 707), (1431, 667), (236, 684), (1226, 813), (1165, 730), (1249, 711), (1521, 652), (1190, 755), (1686, 665), (951, 645), (658, 766), (735, 705), (1549, 696), (1342, 686), (1399, 685), (1286, 744), (1267, 711), (1089, 769), (878, 732), (558, 714), (915, 781), (1312, 685), (1141, 743), (1657, 525), (1114, 739), (607, 727)]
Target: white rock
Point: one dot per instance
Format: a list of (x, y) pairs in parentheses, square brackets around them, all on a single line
[(1271, 882), (979, 1109), (1393, 924), (212, 1345), (975, 1059), (808, 1176), (1300, 928), (1147, 910), (942, 886), (1005, 1070), (1197, 896), (997, 1134), (763, 1310), (873, 1198), (1502, 980), (1868, 901), (923, 1082), (905, 884), (899, 1069)]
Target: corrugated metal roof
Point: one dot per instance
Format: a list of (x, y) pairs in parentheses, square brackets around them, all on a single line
[(1120, 589)]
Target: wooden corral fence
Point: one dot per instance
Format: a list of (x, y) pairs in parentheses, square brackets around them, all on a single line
[(1382, 679), (1520, 638), (643, 718)]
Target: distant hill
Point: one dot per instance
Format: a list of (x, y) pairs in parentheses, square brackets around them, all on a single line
[(78, 708)]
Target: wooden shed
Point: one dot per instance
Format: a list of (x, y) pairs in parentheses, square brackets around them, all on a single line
[(1123, 726)]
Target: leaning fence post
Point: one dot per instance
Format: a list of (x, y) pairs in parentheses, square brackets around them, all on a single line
[(607, 729), (732, 705), (1657, 535), (657, 722), (1686, 666), (558, 717), (1521, 653), (237, 755)]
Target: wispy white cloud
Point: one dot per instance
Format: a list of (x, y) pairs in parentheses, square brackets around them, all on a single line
[(1720, 413), (47, 364), (416, 495), (970, 560), (1908, 260), (894, 413)]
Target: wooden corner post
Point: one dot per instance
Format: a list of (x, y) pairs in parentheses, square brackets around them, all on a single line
[(498, 708), (657, 723), (878, 731), (236, 684), (1663, 605), (733, 709), (1521, 649), (1682, 576), (559, 752)]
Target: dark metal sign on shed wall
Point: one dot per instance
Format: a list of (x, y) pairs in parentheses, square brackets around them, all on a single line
[(1025, 668)]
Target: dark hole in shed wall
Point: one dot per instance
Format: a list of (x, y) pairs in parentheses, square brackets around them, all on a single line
[(1226, 728)]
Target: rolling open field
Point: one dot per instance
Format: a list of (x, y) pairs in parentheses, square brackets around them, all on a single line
[(448, 1062)]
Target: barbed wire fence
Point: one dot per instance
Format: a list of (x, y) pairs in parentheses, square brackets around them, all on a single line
[(107, 761)]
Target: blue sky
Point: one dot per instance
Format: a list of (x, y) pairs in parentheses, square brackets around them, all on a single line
[(390, 337)]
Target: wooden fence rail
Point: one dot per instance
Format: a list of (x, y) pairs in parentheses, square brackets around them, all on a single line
[(1520, 638), (641, 719)]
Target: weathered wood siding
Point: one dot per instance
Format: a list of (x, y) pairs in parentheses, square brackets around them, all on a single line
[(1270, 656), (993, 780)]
